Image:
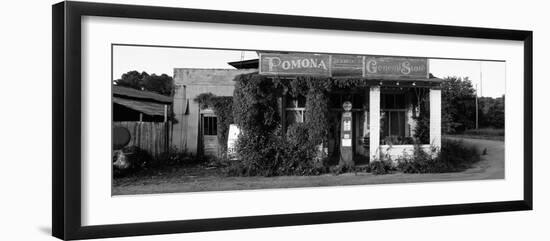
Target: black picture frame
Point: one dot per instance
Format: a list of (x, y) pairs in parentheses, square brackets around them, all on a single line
[(66, 88)]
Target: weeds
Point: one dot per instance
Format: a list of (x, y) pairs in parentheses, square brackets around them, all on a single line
[(453, 157)]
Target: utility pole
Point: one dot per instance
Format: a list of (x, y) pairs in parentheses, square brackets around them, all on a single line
[(481, 93), (477, 111), (480, 78)]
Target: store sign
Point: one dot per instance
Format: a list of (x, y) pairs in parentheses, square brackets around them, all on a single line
[(384, 67), (346, 66), (295, 64), (381, 67)]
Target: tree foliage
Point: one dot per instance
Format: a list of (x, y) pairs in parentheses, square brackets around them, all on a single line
[(162, 84), (458, 105), (491, 112)]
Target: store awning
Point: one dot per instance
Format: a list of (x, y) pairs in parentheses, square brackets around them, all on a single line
[(148, 108)]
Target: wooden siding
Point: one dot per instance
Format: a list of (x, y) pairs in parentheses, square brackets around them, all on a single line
[(149, 136)]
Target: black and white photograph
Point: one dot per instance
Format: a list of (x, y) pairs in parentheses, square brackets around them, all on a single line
[(209, 120), (192, 119)]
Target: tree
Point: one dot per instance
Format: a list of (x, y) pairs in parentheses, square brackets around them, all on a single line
[(458, 105), (491, 112), (162, 84)]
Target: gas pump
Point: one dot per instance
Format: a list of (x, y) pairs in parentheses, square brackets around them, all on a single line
[(346, 148)]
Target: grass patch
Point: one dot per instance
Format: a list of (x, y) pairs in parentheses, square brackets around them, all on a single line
[(132, 160), (485, 132)]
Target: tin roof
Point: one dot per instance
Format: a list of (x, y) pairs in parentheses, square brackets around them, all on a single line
[(148, 108), (120, 91)]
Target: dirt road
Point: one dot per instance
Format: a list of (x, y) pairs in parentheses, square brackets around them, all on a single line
[(491, 166)]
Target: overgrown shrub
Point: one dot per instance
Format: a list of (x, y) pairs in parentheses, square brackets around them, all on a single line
[(255, 112), (298, 134), (397, 140), (255, 107), (299, 152), (422, 117), (381, 167), (259, 155), (223, 107), (316, 115), (263, 148), (421, 162), (130, 159), (276, 155), (422, 129), (458, 154), (454, 156)]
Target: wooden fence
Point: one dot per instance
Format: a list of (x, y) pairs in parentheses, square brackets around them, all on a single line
[(149, 136)]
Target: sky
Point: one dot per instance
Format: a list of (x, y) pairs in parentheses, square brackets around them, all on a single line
[(487, 76)]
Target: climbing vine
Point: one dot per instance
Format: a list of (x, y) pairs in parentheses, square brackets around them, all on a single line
[(317, 113), (263, 148), (223, 108)]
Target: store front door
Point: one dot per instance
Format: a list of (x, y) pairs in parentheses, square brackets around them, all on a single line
[(209, 124)]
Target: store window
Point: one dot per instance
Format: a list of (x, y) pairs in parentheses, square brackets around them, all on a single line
[(393, 119), (209, 125), (295, 108)]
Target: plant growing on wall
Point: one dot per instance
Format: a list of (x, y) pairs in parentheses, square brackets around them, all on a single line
[(255, 104), (317, 113), (223, 108), (421, 116), (263, 148), (255, 112)]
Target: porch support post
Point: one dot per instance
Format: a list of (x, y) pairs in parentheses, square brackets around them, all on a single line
[(374, 125), (435, 118), (165, 113)]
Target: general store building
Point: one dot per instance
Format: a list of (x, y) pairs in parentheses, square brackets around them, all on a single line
[(384, 113)]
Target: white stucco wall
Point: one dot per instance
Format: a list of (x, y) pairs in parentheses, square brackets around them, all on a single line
[(374, 113), (435, 118)]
